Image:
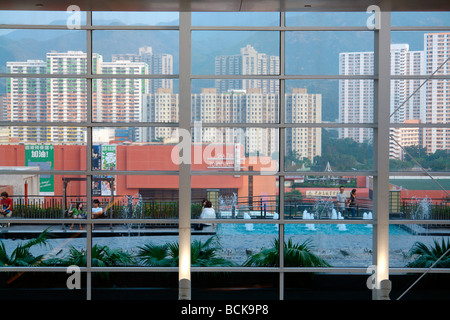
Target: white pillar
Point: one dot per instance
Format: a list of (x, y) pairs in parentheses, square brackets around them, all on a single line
[(184, 273), (381, 149)]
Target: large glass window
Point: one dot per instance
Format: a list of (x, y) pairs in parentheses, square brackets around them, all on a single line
[(267, 145)]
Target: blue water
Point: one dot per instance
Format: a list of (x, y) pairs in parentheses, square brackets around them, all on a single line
[(300, 229)]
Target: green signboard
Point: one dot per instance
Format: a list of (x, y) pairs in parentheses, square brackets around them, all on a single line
[(41, 156)]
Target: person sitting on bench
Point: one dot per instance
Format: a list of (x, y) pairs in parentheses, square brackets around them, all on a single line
[(97, 211), (77, 213)]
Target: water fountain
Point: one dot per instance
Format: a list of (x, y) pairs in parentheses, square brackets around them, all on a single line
[(334, 214), (248, 226), (131, 209), (367, 216), (341, 227), (420, 210), (323, 207), (227, 206), (309, 216), (338, 216), (275, 217)]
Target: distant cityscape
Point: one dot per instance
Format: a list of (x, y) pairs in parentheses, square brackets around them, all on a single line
[(427, 104), (230, 101)]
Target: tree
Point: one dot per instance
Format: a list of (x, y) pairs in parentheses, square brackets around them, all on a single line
[(343, 154), (293, 195), (437, 161)]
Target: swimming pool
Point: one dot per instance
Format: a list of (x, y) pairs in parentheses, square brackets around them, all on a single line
[(307, 229)]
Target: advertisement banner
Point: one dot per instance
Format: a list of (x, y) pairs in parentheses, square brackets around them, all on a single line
[(96, 165), (108, 158), (43, 157), (108, 161)]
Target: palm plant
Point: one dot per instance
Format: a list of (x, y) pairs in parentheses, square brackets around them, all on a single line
[(203, 254), (21, 255), (102, 256), (295, 255), (159, 255), (428, 256)]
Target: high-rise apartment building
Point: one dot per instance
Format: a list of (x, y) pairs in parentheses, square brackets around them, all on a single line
[(27, 101), (248, 62), (240, 106), (67, 97), (3, 107), (405, 62), (437, 110), (237, 106), (158, 64), (406, 137), (429, 104), (356, 98), (304, 107), (120, 99), (160, 107)]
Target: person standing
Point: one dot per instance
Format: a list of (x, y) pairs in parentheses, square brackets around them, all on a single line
[(352, 203), (341, 199)]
